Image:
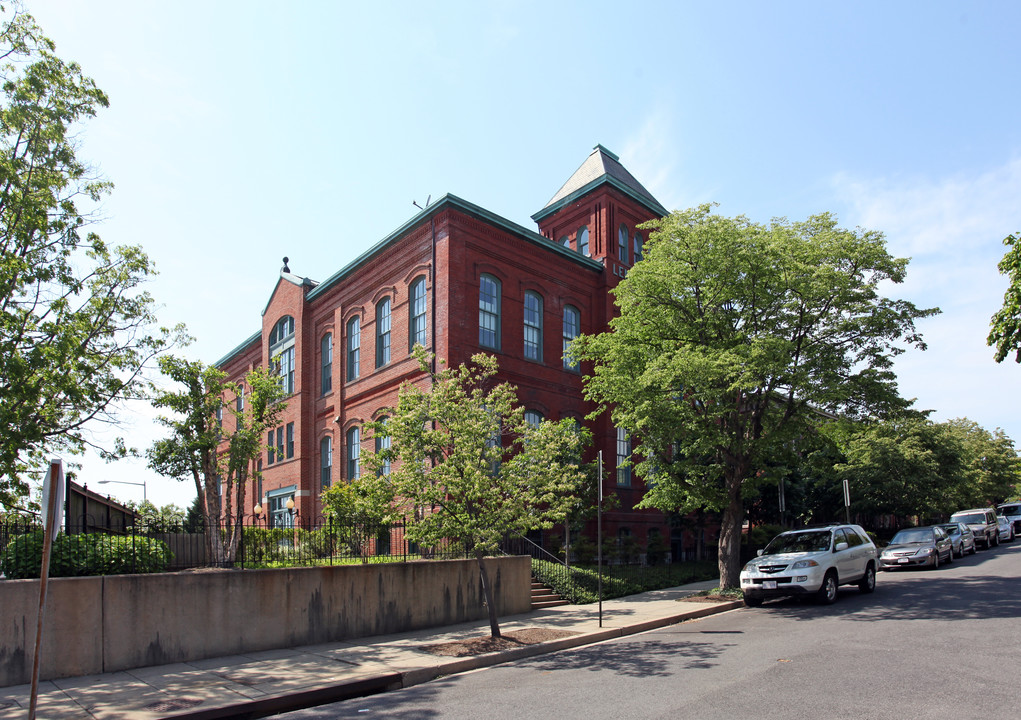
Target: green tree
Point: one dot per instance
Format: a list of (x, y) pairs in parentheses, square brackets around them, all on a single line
[(74, 325), (732, 339), (991, 463), (152, 519), (1005, 325), (905, 466), (463, 456), (202, 449)]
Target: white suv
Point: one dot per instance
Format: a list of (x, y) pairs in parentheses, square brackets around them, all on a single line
[(813, 561)]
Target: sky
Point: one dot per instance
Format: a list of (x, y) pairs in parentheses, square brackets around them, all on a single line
[(242, 132)]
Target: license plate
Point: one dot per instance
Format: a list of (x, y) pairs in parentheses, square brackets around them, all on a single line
[(903, 560), (769, 584)]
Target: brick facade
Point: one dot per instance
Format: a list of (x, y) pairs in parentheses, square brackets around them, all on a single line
[(451, 246)]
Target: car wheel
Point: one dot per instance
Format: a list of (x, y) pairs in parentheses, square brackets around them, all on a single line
[(974, 548), (935, 560), (868, 582), (996, 539), (752, 601), (950, 556), (828, 592), (959, 553)]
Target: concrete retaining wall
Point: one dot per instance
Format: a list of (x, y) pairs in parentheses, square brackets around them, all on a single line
[(118, 622)]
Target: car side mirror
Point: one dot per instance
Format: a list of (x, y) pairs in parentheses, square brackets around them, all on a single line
[(840, 546), (759, 552)]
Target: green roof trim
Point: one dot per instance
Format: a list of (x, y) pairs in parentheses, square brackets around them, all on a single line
[(468, 208), (237, 351), (589, 187)]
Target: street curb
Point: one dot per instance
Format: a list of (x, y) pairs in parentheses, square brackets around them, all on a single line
[(376, 684)]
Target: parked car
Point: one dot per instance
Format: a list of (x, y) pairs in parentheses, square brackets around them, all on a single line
[(982, 522), (961, 537), (811, 562), (921, 546), (1011, 511), (1006, 528)]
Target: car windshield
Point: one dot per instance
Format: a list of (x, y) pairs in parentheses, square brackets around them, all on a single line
[(812, 541), (971, 519), (913, 536), (1009, 510), (952, 529)]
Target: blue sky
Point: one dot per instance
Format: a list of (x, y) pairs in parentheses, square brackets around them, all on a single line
[(240, 132)]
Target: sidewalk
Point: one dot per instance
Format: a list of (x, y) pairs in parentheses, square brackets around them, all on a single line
[(260, 684)]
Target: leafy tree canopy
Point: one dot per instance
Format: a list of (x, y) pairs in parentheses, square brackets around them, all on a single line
[(74, 325), (211, 447), (462, 454), (732, 338), (1005, 325)]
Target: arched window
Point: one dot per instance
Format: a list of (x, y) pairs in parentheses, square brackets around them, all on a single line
[(382, 332), (623, 454), (354, 452), (638, 247), (583, 241), (533, 418), (281, 350), (383, 443), (533, 326), (283, 330), (354, 343), (566, 241), (572, 328), (325, 462), (622, 238), (326, 372), (416, 325), (489, 312)]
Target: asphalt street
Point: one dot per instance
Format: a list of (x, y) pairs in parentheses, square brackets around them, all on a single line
[(926, 644)]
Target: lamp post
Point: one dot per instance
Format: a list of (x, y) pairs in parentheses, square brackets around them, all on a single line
[(125, 482)]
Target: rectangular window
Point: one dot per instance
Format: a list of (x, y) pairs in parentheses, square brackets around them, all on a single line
[(325, 462), (383, 332), (239, 409), (285, 367), (271, 450), (417, 325), (354, 343), (383, 443), (326, 349), (572, 328), (353, 453), (623, 454), (280, 443), (533, 326), (489, 312), (290, 440)]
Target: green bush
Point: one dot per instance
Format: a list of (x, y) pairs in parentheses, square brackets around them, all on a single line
[(581, 584), (85, 554)]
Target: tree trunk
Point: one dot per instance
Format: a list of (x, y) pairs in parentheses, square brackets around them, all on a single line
[(730, 534), (487, 590)]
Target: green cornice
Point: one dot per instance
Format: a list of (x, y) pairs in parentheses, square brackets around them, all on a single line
[(238, 350), (608, 179), (455, 203)]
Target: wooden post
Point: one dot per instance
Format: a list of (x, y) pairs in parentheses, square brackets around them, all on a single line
[(51, 524)]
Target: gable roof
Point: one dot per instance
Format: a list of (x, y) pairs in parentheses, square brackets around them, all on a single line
[(601, 166)]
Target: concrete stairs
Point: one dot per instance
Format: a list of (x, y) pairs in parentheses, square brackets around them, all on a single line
[(543, 596)]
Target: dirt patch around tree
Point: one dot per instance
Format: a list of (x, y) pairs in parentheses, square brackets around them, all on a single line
[(508, 641)]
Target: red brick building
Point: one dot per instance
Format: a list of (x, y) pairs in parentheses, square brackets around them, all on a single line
[(458, 279)]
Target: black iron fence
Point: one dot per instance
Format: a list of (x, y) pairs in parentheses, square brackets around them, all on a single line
[(81, 550)]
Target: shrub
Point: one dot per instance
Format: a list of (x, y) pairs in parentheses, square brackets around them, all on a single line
[(85, 554)]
